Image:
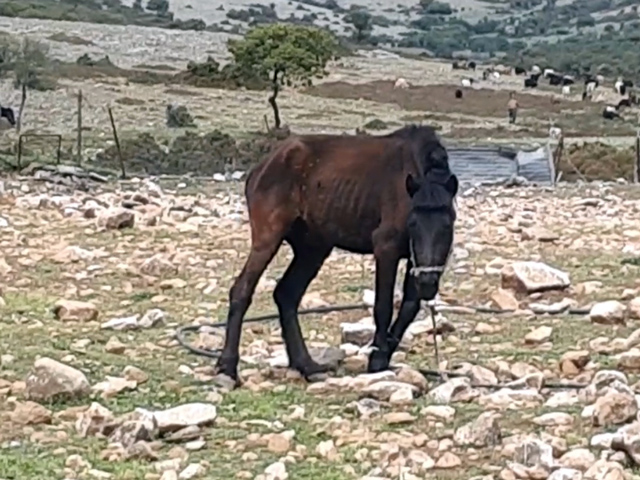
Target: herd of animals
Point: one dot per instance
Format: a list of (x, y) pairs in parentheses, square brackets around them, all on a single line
[(623, 87)]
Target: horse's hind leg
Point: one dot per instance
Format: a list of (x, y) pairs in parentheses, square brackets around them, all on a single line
[(264, 246), (306, 263)]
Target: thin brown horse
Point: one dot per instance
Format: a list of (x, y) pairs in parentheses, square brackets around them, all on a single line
[(390, 195)]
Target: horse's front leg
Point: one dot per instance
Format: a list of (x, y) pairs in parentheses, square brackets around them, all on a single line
[(386, 270), (409, 308)]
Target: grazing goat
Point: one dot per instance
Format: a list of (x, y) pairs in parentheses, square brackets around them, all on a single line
[(610, 112), (625, 102), (466, 82), (535, 70), (555, 132), (519, 71), (566, 90), (7, 117), (458, 93), (530, 82), (401, 83)]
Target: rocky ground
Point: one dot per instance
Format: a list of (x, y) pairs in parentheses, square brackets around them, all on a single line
[(93, 385)]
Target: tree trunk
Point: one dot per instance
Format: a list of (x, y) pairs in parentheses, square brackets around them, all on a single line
[(272, 99), (23, 100)]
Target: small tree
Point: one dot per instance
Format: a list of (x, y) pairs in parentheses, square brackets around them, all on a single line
[(284, 54), (25, 61), (361, 21), (161, 7)]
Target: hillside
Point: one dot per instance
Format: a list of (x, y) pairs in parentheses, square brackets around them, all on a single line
[(595, 35)]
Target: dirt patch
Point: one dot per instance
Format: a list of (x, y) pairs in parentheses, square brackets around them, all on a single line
[(70, 39), (441, 99)]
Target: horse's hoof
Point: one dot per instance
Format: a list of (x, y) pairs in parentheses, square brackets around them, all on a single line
[(227, 368), (317, 377), (226, 382), (378, 362), (312, 369)]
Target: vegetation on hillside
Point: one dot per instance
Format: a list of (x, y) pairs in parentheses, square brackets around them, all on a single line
[(157, 13), (595, 36)]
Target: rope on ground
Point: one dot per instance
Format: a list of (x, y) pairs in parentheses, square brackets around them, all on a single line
[(443, 375)]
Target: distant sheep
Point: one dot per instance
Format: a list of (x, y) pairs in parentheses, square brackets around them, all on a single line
[(401, 83), (610, 112)]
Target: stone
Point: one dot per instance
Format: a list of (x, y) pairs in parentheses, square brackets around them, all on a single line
[(451, 391), (130, 432), (74, 311), (633, 308), (327, 449), (193, 470), (443, 412), (611, 312), (566, 474), (505, 300), (51, 380), (604, 470), (383, 390), (482, 432), (572, 363), (539, 335), (115, 346), (30, 413), (152, 318), (553, 419), (134, 374), (186, 415), (112, 386), (330, 356), (280, 443), (413, 377), (532, 453), (398, 418), (614, 408), (508, 399), (531, 277), (96, 419), (116, 218), (578, 459), (448, 460), (629, 360), (357, 333), (539, 233)]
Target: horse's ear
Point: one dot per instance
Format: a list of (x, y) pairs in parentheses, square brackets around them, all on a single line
[(452, 185), (412, 185)]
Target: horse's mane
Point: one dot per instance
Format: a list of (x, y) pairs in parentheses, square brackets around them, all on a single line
[(433, 193), (425, 143)]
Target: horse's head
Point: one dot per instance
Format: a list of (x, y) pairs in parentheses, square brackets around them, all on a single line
[(430, 226)]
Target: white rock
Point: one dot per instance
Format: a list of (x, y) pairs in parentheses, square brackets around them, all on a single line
[(610, 312)]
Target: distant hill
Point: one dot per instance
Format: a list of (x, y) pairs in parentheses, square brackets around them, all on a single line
[(572, 36)]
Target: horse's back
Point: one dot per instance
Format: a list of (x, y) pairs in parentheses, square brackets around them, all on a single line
[(301, 159)]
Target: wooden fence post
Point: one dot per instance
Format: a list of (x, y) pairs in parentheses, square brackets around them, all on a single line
[(79, 137), (636, 167), (117, 140)]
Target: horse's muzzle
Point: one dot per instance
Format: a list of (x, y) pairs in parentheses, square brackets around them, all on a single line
[(427, 284)]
